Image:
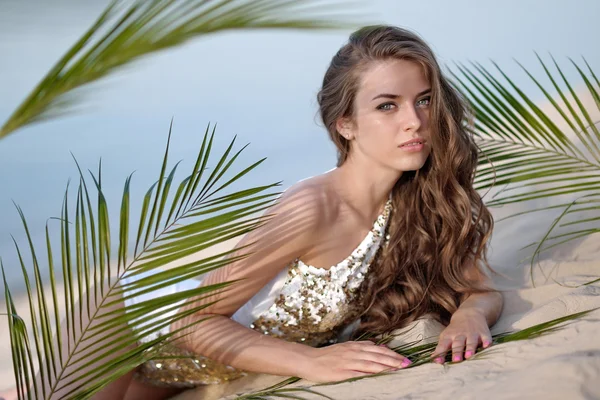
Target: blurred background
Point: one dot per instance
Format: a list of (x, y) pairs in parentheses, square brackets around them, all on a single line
[(259, 85)]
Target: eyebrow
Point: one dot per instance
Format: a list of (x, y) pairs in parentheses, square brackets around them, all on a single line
[(395, 96)]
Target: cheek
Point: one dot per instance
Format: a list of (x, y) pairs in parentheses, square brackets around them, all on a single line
[(370, 121), (379, 126), (376, 134), (425, 122), (379, 134)]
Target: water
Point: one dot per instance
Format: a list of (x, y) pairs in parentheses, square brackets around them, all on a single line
[(260, 86)]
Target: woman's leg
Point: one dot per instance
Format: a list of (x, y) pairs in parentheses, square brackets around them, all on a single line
[(139, 390), (115, 390), (10, 394)]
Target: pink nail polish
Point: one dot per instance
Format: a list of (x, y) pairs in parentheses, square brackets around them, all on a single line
[(406, 363), (439, 360), (468, 353), (456, 358), (486, 344)]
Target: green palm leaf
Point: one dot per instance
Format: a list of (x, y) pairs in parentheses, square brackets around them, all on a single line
[(91, 278), (527, 156), (127, 31)]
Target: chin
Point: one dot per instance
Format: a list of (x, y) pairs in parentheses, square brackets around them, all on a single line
[(411, 165)]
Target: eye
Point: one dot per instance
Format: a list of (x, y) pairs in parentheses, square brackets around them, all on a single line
[(386, 106), (424, 101)]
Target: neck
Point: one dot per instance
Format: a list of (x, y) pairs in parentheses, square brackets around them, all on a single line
[(366, 188)]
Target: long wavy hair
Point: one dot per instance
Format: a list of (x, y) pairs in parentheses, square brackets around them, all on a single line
[(439, 225)]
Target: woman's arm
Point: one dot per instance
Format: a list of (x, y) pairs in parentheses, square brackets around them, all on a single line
[(224, 340), (487, 305), (470, 324)]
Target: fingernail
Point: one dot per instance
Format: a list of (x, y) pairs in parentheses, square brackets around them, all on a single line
[(456, 358), (405, 363), (439, 360), (468, 353), (486, 344)]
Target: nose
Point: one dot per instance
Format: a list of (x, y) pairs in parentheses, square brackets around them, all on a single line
[(411, 120)]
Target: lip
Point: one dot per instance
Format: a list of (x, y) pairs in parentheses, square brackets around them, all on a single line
[(411, 141)]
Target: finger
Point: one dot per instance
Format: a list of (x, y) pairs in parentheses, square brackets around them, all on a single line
[(360, 345), (388, 358), (368, 366), (472, 342), (458, 347), (392, 353), (440, 351), (486, 340), (382, 349)]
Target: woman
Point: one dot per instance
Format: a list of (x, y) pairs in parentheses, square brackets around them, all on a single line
[(405, 161)]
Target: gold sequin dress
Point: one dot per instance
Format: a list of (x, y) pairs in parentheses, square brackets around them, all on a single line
[(305, 304)]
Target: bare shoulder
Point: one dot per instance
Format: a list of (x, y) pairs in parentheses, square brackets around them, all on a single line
[(311, 201)]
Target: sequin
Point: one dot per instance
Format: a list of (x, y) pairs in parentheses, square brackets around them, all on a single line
[(314, 305), (181, 368)]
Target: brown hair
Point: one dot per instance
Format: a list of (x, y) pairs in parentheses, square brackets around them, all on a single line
[(439, 224)]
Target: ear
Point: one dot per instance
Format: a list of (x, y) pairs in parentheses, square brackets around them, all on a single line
[(345, 127)]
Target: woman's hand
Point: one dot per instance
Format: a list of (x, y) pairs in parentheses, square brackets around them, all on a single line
[(467, 329), (349, 360)]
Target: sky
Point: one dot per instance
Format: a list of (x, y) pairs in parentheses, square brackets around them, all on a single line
[(259, 85)]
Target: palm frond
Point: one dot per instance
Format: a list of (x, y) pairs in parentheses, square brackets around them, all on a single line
[(420, 354), (527, 156), (127, 31), (578, 228), (207, 214), (514, 134)]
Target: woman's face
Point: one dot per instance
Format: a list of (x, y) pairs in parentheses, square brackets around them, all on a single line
[(391, 108)]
